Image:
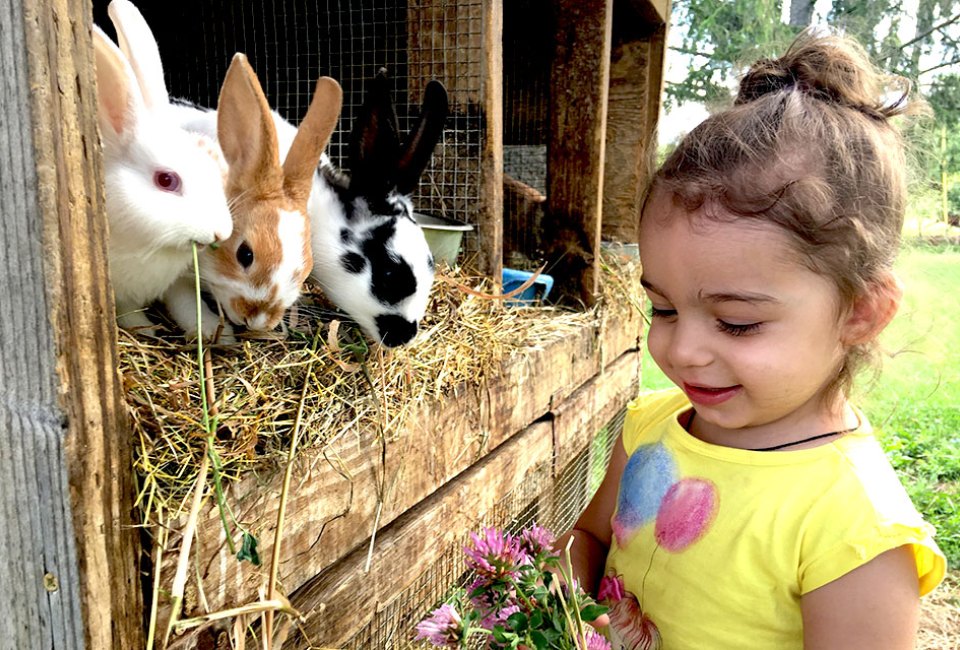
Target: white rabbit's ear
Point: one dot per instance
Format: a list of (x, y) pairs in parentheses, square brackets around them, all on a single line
[(118, 99), (423, 138), (245, 129), (311, 139), (140, 47), (374, 142)]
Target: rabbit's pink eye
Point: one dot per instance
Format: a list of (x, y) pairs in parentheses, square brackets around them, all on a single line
[(167, 181)]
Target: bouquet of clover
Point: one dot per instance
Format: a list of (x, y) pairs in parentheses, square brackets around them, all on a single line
[(520, 599)]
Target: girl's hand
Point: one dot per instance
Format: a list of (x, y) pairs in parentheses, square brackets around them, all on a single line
[(874, 607)]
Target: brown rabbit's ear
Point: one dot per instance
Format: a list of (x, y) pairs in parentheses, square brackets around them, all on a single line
[(245, 129), (312, 137), (118, 100)]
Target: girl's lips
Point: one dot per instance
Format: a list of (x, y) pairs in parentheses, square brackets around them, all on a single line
[(709, 396)]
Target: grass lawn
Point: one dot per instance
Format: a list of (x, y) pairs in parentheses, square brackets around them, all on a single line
[(915, 402)]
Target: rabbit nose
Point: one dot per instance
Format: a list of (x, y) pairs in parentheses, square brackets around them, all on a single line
[(395, 330)]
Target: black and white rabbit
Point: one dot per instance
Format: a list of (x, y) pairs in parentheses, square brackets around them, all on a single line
[(163, 186), (369, 254)]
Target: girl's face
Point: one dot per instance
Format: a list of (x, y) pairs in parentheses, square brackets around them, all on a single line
[(752, 336)]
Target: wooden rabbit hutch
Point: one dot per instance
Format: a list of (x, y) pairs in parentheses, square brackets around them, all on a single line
[(553, 105)]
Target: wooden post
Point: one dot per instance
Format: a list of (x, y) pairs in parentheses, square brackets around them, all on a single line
[(66, 477), (491, 154), (579, 82), (636, 79)]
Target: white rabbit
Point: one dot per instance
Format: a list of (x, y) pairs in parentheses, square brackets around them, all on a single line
[(369, 254), (164, 189), (256, 274)]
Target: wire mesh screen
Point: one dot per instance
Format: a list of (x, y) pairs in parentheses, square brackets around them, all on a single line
[(552, 502), (527, 48), (292, 42)]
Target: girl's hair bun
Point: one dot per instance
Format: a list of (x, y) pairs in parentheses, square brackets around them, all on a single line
[(829, 68)]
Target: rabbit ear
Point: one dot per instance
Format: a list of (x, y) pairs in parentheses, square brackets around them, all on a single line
[(311, 139), (374, 143), (423, 138), (118, 99), (140, 47), (245, 128)]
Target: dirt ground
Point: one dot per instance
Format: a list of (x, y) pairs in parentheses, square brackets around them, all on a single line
[(940, 616)]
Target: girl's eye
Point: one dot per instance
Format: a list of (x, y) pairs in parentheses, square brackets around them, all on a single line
[(167, 181), (661, 313), (245, 255), (737, 329)]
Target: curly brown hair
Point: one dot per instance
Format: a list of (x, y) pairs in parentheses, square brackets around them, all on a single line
[(808, 146)]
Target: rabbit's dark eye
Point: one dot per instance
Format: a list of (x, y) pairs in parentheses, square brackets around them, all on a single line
[(244, 255), (167, 181)]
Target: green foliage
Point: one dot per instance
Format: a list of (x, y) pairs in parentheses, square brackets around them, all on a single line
[(720, 36)]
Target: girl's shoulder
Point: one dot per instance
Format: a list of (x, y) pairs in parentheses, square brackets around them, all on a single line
[(648, 411)]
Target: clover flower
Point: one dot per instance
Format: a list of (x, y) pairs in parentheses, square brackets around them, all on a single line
[(596, 641), (495, 555), (512, 602), (443, 628), (536, 540)]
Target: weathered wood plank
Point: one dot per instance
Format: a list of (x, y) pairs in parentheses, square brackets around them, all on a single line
[(579, 83), (655, 78), (490, 226), (592, 406), (65, 473), (342, 600), (333, 504), (651, 11), (628, 136), (345, 598)]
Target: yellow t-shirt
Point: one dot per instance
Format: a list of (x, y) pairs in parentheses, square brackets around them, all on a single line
[(713, 546)]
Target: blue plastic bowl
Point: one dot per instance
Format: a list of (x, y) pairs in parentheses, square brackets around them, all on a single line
[(538, 291)]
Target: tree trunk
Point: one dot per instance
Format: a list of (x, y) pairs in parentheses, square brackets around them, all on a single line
[(801, 12)]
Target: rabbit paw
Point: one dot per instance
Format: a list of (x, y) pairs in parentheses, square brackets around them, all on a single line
[(136, 321)]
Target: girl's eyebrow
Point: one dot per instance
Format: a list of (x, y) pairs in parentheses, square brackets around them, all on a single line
[(737, 296), (720, 296), (646, 284)]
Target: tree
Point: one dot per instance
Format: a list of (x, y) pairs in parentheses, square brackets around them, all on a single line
[(717, 36), (720, 36), (944, 98)]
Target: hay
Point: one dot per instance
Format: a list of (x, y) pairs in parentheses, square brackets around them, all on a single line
[(259, 382)]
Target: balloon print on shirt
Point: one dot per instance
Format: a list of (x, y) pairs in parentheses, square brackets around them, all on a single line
[(682, 508)]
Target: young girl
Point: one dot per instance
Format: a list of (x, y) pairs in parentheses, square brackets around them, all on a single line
[(752, 507)]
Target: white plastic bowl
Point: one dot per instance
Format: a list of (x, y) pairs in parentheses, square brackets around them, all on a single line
[(443, 235)]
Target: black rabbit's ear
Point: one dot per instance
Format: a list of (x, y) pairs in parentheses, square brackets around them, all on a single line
[(423, 138), (374, 142)]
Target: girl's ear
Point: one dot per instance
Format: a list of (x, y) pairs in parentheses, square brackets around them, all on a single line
[(873, 310)]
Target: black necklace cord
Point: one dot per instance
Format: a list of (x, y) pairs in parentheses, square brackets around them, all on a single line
[(819, 436)]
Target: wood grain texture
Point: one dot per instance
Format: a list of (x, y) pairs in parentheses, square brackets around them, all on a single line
[(334, 498), (344, 599), (593, 405), (341, 601), (579, 83), (490, 226), (65, 455), (629, 134)]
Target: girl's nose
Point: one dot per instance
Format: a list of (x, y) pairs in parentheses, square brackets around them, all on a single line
[(689, 345)]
